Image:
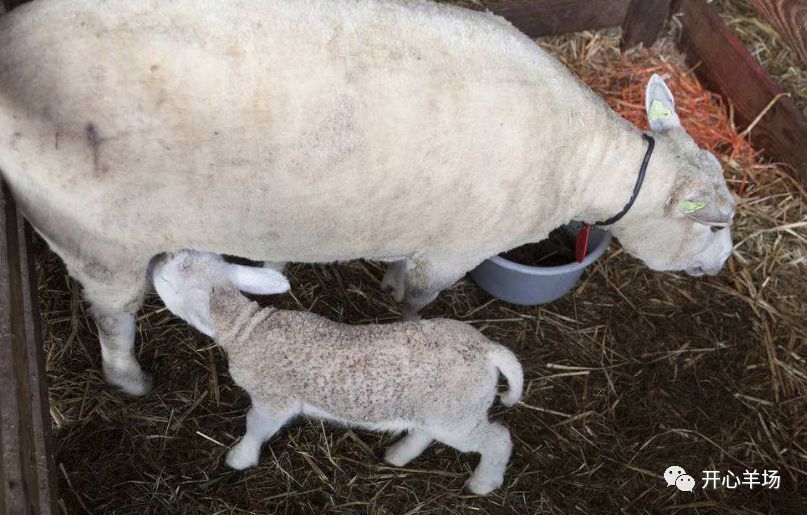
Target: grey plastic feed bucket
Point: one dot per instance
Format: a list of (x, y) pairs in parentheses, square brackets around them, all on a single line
[(532, 285)]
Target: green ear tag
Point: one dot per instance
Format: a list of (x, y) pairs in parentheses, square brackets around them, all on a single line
[(687, 206), (658, 111)]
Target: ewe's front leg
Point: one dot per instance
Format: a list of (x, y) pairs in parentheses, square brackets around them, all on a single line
[(427, 279), (262, 423), (394, 279)]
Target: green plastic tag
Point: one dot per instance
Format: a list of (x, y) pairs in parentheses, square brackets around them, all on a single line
[(688, 206), (658, 111)]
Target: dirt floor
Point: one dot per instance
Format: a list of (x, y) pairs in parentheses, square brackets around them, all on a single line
[(633, 372)]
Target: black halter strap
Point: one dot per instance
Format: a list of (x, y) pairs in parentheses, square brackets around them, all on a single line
[(651, 143)]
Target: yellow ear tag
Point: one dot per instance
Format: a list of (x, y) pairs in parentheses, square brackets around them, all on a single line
[(687, 206), (658, 111)]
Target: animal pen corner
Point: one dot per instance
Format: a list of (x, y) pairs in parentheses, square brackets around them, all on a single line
[(27, 470)]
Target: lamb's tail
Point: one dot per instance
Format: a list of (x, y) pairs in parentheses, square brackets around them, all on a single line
[(508, 365)]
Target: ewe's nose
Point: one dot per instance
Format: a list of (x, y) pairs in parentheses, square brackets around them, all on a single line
[(700, 269)]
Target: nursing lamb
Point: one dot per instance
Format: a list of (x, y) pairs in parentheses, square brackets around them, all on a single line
[(318, 131), (435, 379)]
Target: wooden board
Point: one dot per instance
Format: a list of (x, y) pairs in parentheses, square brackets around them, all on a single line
[(727, 67), (644, 21), (789, 17), (27, 479), (549, 17), (11, 4)]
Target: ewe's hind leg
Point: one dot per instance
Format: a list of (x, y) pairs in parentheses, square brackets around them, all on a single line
[(262, 423), (114, 289), (407, 448), (427, 279), (492, 441), (113, 305)]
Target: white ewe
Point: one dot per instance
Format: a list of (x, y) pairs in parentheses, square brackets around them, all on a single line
[(318, 131)]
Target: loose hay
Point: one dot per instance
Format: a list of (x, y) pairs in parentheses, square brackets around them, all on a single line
[(633, 372)]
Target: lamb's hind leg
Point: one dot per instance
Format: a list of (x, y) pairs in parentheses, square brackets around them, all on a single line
[(492, 441)]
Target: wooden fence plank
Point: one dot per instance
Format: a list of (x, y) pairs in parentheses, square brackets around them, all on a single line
[(549, 17), (727, 67), (644, 22), (26, 465), (789, 17), (11, 4)]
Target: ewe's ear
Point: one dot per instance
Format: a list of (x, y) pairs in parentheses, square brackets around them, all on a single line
[(705, 212), (660, 105), (259, 281)]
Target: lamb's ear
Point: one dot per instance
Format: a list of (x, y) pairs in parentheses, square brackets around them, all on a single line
[(259, 281), (202, 324), (660, 105)]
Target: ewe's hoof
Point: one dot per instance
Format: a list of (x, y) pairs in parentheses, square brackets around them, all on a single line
[(133, 382), (391, 286), (480, 486), (240, 458), (387, 285)]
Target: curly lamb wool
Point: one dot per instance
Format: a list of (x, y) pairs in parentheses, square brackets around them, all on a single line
[(435, 379)]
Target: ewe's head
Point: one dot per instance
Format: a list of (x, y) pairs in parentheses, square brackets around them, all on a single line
[(185, 281), (683, 222)]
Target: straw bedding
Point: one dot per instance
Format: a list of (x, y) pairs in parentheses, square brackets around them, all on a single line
[(631, 373)]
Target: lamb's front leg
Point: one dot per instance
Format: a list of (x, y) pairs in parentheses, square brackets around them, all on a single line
[(263, 421), (407, 448)]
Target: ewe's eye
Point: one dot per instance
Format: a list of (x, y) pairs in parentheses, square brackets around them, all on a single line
[(715, 228)]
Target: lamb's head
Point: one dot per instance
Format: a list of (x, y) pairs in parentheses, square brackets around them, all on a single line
[(186, 279), (683, 221)]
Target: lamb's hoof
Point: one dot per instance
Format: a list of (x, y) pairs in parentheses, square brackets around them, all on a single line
[(479, 486), (393, 458), (133, 382), (239, 458)]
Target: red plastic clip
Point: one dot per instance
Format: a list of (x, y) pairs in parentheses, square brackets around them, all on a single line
[(581, 246)]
